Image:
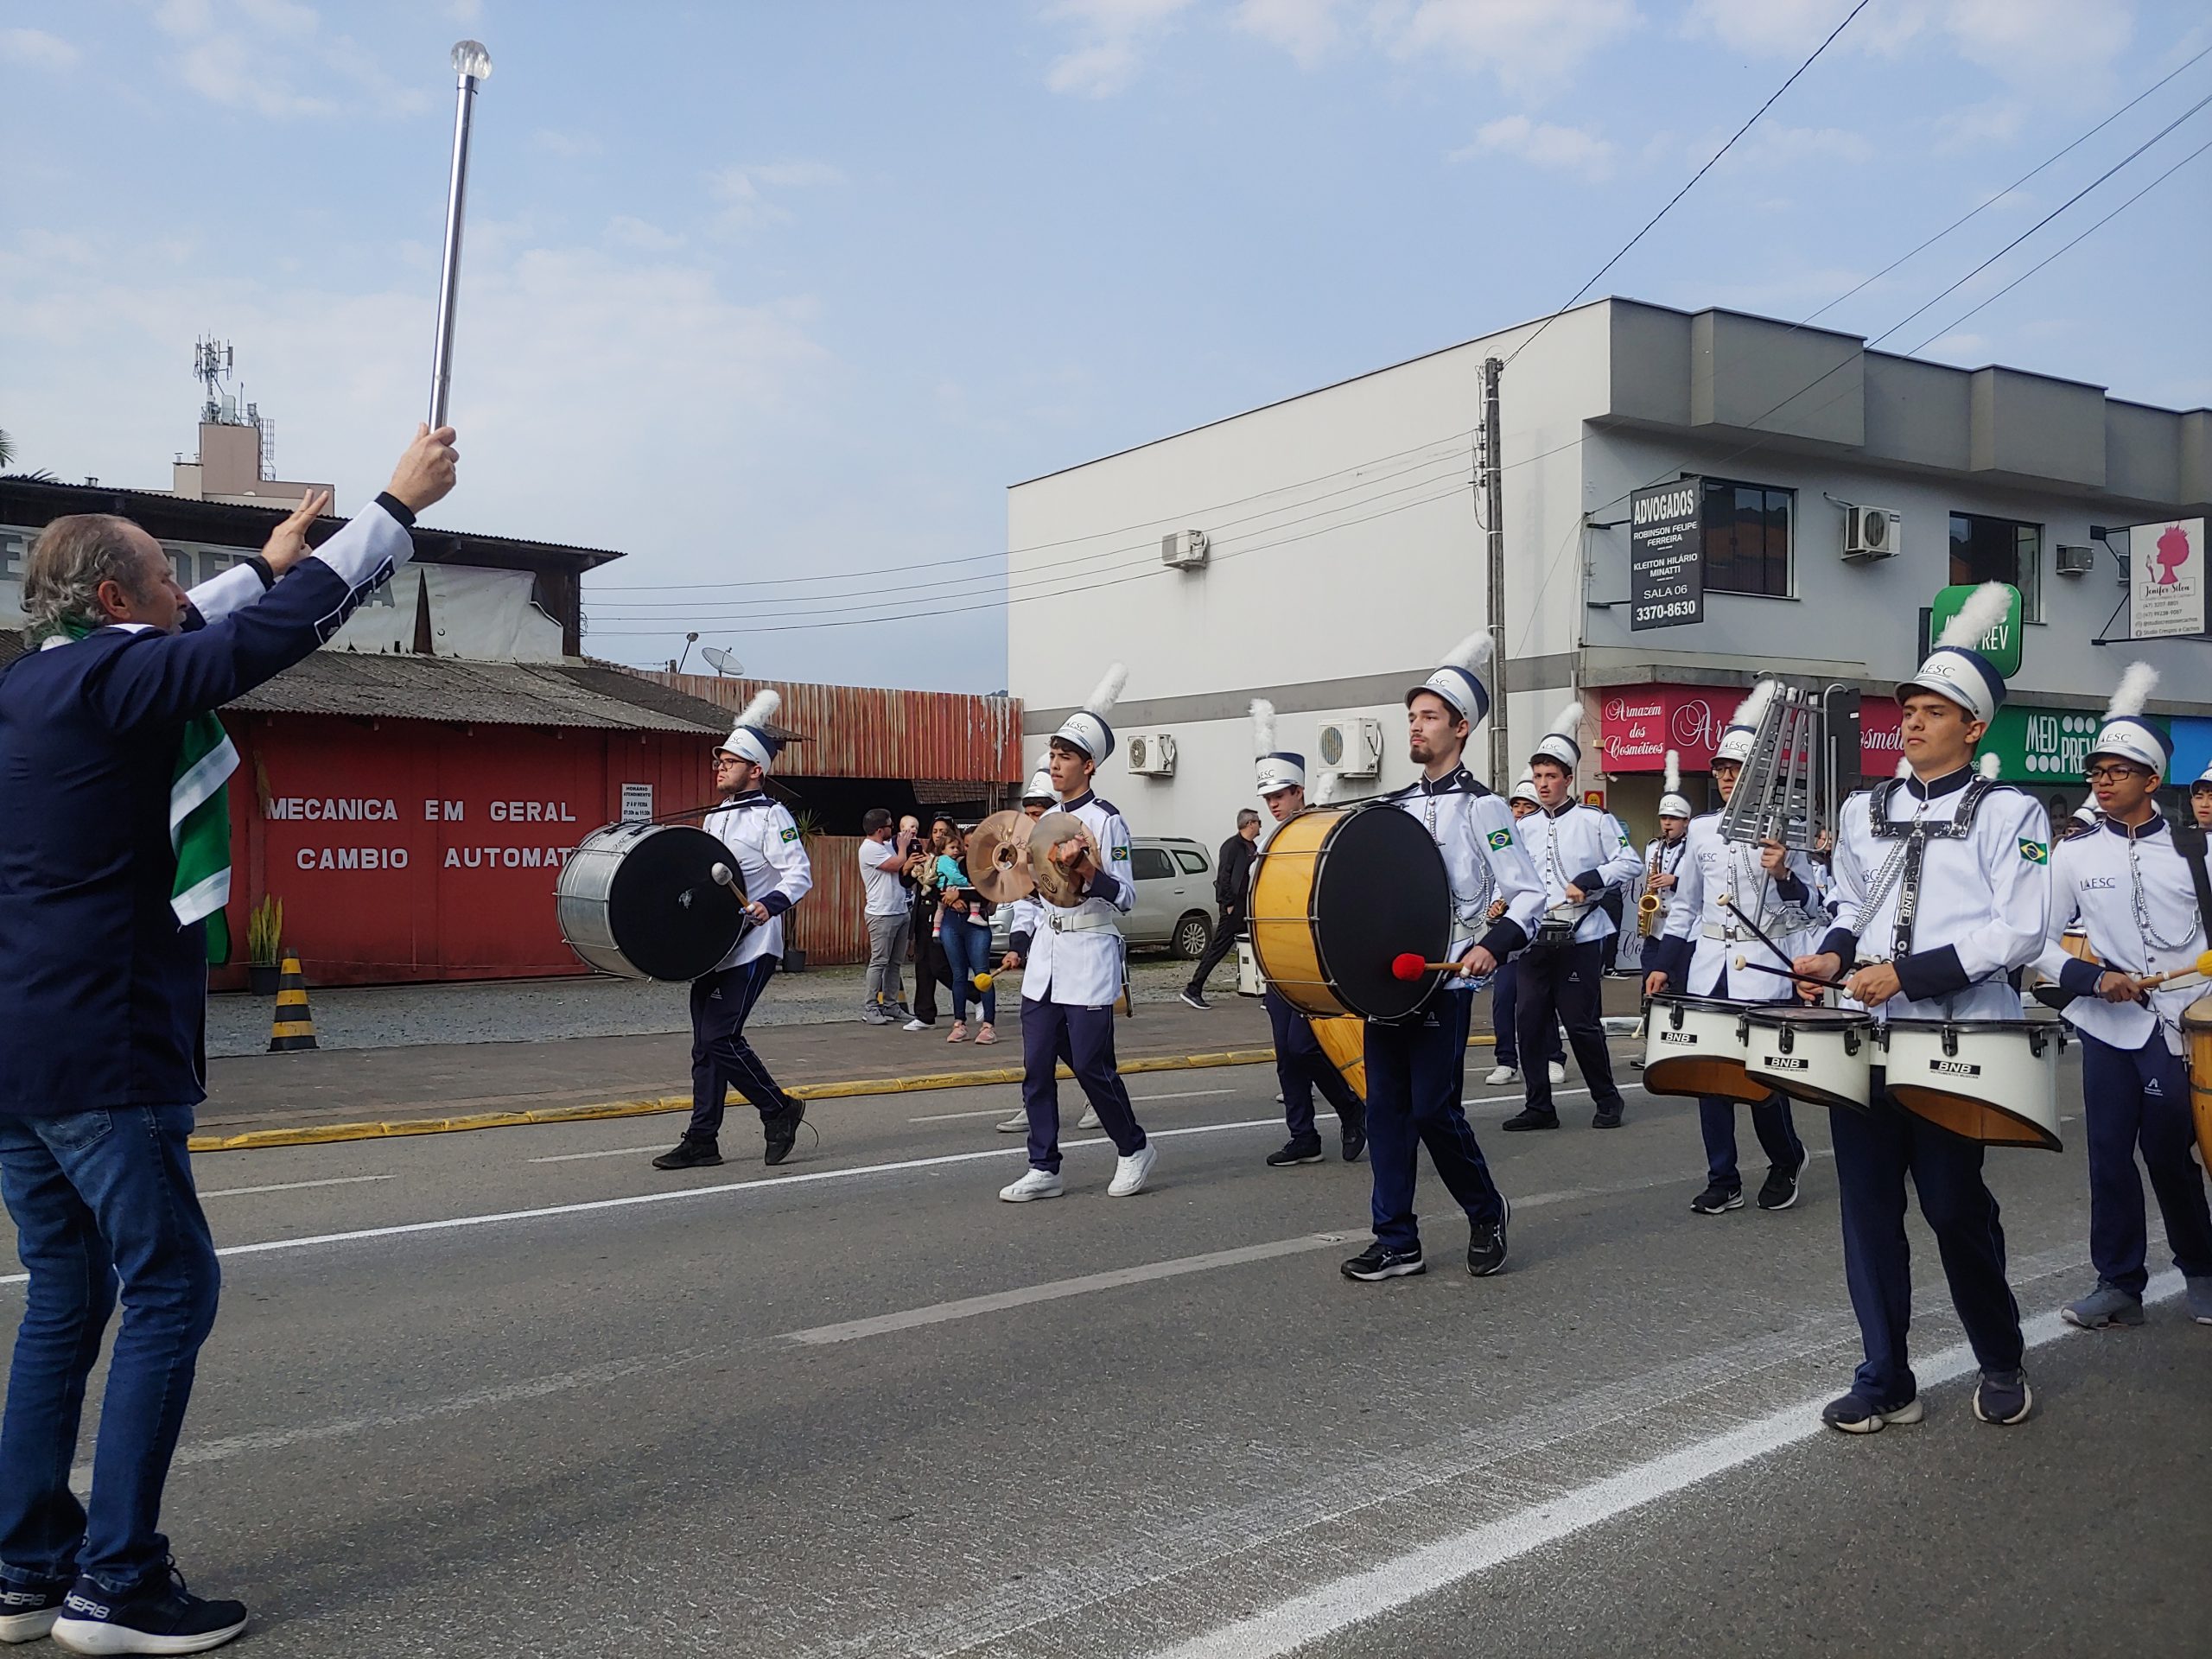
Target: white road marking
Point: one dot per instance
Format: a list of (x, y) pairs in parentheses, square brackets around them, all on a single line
[(1493, 1100), (294, 1187), (1000, 1111), (613, 1151), (1353, 1599)]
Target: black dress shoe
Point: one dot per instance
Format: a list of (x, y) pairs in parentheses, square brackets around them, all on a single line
[(689, 1154), (1528, 1119)]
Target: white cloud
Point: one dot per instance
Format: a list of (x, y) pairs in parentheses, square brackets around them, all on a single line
[(1780, 147), (1994, 121), (257, 55), (37, 48), (1111, 38), (224, 70), (1531, 47), (1307, 30), (1572, 149), (1793, 27), (281, 16), (2044, 42), (749, 193), (639, 233)]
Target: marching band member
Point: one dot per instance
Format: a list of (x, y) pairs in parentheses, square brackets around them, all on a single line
[(1023, 917), (1504, 983), (2200, 800), (1946, 874), (1075, 969), (1579, 852), (1300, 1066), (1651, 891), (774, 873), (1702, 937), (2133, 889), (1416, 1071)]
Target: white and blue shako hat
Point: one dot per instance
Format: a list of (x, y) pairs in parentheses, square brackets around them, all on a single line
[(1955, 668), (1458, 680), (1040, 789), (1086, 728), (1524, 789), (750, 739), (1562, 741), (1743, 730), (1674, 803), (1276, 769), (2124, 732)]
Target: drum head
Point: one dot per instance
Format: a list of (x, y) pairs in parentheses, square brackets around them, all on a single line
[(1381, 892), (668, 917)]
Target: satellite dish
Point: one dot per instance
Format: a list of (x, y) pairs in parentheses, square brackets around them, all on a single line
[(723, 661)]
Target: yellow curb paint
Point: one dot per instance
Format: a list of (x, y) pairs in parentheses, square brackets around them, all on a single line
[(324, 1134)]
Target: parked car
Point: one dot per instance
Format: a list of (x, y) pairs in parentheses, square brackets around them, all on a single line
[(1174, 907)]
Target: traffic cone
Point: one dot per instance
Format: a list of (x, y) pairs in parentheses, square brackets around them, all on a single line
[(295, 1025)]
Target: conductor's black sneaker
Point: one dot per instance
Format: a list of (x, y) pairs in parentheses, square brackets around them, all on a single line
[(1717, 1200), (1298, 1152), (160, 1616), (2003, 1397), (27, 1607), (1780, 1189), (1486, 1242), (1526, 1119), (1377, 1261), (781, 1130), (1854, 1414), (688, 1154)]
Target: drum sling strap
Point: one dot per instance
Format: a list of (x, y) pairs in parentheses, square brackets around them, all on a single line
[(1917, 834), (2188, 842)]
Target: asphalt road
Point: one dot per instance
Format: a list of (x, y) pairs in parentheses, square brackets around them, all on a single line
[(516, 1393)]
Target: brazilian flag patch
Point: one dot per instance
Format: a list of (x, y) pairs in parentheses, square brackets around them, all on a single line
[(1121, 856), (791, 833), (2035, 852), (1500, 840)]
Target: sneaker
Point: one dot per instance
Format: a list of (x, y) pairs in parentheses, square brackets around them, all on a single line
[(878, 1017), (1856, 1414), (1501, 1074), (2106, 1305), (1018, 1124), (1486, 1242), (959, 1031), (1298, 1152), (985, 1036), (1037, 1184), (1717, 1199), (1779, 1190), (2197, 1296), (1558, 1069), (1132, 1172), (1377, 1261), (1196, 999), (779, 1129), (2003, 1398), (688, 1154), (159, 1616), (916, 1025), (1355, 1143), (1089, 1120), (28, 1608), (1606, 1118), (1529, 1119)]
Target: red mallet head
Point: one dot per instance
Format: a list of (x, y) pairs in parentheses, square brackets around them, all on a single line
[(1407, 967)]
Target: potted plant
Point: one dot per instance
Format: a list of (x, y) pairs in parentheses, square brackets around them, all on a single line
[(265, 936), (810, 826)]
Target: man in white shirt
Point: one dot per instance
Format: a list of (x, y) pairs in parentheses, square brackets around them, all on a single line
[(883, 856)]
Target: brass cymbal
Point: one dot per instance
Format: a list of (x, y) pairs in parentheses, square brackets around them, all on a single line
[(1055, 884), (998, 858)]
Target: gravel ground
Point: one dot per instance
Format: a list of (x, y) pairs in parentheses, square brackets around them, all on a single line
[(521, 1011)]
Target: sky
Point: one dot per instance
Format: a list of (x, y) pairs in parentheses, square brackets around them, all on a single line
[(778, 299)]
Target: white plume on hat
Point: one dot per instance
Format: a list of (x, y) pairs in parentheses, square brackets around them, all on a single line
[(1088, 728), (1567, 722), (1263, 726), (1752, 708), (764, 706), (1905, 767), (1984, 608), (748, 735), (2133, 693), (1672, 804), (1471, 653), (1673, 772), (1742, 731), (2124, 732), (1324, 789), (1990, 765), (1108, 692)]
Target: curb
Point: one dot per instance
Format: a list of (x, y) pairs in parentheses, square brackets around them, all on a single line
[(313, 1135)]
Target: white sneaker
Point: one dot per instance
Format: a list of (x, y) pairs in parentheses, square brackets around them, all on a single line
[(1558, 1072), (1037, 1184), (1131, 1172), (1501, 1074), (1018, 1124), (915, 1025), (1089, 1120)]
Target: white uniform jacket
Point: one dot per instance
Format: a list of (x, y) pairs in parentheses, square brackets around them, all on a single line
[(1703, 933), (1075, 956), (1483, 856), (1984, 895), (2118, 880), (771, 867), (1580, 846)]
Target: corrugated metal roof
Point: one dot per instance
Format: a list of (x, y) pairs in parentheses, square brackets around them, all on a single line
[(496, 694)]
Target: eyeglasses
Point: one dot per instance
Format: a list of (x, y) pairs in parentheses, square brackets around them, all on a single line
[(2115, 774)]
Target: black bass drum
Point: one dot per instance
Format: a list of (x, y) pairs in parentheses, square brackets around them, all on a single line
[(641, 901)]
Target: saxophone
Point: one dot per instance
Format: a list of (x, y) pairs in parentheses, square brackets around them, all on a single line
[(1649, 906)]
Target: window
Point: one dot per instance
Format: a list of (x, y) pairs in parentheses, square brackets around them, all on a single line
[(1746, 529), (1150, 864), (2000, 549), (1193, 863)]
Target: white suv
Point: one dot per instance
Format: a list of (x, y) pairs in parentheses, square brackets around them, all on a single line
[(1175, 905)]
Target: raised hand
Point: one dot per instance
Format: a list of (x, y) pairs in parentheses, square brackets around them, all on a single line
[(288, 543), (426, 473)]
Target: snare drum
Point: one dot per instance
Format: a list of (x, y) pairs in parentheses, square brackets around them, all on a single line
[(1249, 981), (1336, 894), (640, 900), (1345, 1041), (1822, 1056), (1695, 1046), (1994, 1081)]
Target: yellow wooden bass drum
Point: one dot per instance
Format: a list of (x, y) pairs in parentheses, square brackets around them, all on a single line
[(1338, 893), (1345, 1041), (2196, 1039)]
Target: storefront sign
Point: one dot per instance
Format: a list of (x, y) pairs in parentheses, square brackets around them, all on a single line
[(2001, 644), (1666, 582), (2167, 586), (637, 802), (1638, 726)]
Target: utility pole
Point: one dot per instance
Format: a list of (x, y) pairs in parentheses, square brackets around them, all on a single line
[(1493, 489)]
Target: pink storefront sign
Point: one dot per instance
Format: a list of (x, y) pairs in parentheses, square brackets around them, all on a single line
[(1638, 726)]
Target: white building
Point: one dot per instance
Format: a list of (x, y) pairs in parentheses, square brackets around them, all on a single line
[(1344, 552)]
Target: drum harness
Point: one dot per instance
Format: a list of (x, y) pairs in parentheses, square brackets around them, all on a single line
[(2192, 853), (1901, 869), (1472, 911)]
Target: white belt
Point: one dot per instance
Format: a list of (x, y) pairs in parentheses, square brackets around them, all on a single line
[(1075, 921), (1731, 934)]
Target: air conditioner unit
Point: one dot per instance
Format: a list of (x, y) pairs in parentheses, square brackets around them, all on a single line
[(1870, 532), (2076, 561), (1185, 549), (1151, 754), (1351, 748)]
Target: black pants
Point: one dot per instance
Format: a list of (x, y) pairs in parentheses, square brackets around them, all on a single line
[(721, 1057), (1301, 1067), (1226, 926), (1562, 983), (932, 970)]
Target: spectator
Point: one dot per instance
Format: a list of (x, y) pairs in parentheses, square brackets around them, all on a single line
[(883, 858), (931, 970), (964, 932), (1232, 876)]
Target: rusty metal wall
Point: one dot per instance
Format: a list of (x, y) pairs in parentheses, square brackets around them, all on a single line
[(828, 922), (864, 731)]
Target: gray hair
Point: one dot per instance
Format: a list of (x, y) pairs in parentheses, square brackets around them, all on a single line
[(70, 560), (1246, 817)]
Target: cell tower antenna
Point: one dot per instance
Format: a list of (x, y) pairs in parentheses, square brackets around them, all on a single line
[(212, 360)]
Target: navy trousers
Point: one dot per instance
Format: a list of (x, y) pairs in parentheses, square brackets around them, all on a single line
[(2134, 1098), (1084, 1037), (720, 1058), (1770, 1121), (1415, 1075), (1505, 990), (1562, 984), (1301, 1067), (1874, 1152)]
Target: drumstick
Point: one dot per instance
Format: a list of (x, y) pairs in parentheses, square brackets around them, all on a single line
[(2056, 996), (1411, 967), (1788, 972), (1756, 933), (723, 875)]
